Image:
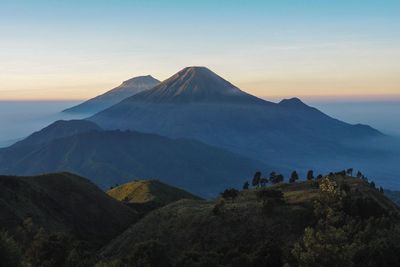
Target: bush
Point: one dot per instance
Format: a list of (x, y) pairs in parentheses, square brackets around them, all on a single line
[(10, 254), (270, 194), (230, 194), (218, 207), (149, 254)]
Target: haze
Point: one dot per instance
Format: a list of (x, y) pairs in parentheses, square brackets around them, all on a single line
[(322, 49)]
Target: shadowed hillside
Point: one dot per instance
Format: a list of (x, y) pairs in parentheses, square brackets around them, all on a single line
[(62, 202), (115, 157)]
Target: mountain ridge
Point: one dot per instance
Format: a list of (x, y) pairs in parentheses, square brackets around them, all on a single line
[(110, 157), (126, 89)]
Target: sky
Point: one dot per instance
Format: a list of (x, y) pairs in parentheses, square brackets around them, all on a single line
[(58, 49)]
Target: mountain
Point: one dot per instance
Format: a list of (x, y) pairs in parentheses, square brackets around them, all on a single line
[(110, 157), (147, 195), (195, 84), (62, 202), (267, 227), (196, 103), (126, 89), (58, 129)]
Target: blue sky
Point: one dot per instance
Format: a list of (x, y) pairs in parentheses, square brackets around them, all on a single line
[(77, 49)]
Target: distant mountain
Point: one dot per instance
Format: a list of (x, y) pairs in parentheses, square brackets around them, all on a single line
[(196, 103), (110, 157), (62, 202), (58, 129), (126, 89), (195, 84)]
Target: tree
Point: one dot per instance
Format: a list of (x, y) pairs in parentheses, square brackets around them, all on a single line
[(150, 253), (263, 182), (246, 185), (310, 175), (293, 177), (256, 179), (231, 194), (10, 254), (279, 178), (372, 184), (327, 244), (269, 197), (349, 171), (272, 176), (359, 175), (319, 176), (381, 190)]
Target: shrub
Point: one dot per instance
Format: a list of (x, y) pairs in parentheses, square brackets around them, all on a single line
[(149, 254), (230, 194), (10, 254)]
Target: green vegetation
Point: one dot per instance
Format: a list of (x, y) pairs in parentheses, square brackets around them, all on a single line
[(334, 220), (146, 195), (144, 191), (10, 253)]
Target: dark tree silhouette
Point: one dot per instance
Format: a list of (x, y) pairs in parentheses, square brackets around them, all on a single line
[(349, 171), (230, 193), (272, 176), (277, 179), (246, 185), (293, 177), (263, 182), (310, 175), (256, 179), (359, 175), (372, 184)]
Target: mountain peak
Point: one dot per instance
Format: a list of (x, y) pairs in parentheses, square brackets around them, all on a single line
[(293, 102), (126, 89), (139, 80), (195, 84)]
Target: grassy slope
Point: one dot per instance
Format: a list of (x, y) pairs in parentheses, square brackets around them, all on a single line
[(191, 224), (62, 202), (144, 191)]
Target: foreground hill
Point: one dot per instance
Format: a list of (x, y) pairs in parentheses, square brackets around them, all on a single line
[(116, 157), (146, 195), (332, 221), (62, 202), (126, 89), (145, 191), (259, 227), (198, 104)]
